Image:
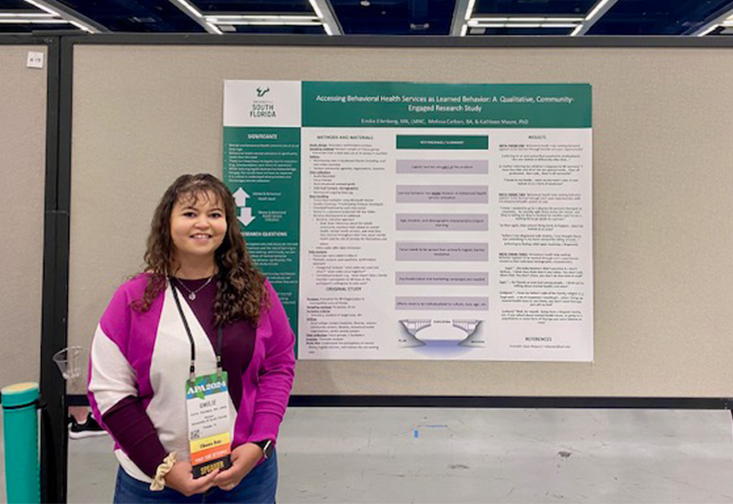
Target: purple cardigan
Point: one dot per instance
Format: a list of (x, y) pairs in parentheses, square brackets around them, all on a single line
[(143, 358)]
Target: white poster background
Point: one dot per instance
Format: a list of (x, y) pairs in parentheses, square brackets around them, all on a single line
[(539, 304)]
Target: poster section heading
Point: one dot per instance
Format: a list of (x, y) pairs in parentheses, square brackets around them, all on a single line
[(403, 104)]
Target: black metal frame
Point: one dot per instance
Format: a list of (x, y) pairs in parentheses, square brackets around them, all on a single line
[(55, 278), (366, 401), (54, 334), (54, 447), (399, 41), (513, 402), (55, 293)]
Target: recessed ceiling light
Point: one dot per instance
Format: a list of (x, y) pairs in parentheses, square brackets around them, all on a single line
[(419, 26), (365, 3)]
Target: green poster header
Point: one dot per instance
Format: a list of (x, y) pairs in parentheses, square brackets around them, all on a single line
[(405, 104)]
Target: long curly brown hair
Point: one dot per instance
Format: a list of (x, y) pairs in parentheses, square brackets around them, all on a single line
[(240, 286)]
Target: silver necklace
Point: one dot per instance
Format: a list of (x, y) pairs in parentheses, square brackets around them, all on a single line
[(192, 294)]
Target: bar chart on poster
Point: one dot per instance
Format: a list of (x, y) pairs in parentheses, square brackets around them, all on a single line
[(419, 221)]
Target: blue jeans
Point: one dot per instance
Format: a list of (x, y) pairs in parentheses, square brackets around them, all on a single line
[(258, 487)]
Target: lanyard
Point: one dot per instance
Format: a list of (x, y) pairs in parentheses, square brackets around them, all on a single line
[(192, 368)]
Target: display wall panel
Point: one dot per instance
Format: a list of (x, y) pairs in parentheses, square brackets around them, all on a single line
[(661, 183), (23, 154)]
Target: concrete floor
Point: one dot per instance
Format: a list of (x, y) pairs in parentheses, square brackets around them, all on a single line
[(364, 455)]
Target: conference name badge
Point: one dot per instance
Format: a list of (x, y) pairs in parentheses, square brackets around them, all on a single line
[(209, 422)]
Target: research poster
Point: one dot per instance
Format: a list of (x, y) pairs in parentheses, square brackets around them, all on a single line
[(408, 221)]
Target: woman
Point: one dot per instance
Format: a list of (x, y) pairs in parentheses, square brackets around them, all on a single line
[(200, 309)]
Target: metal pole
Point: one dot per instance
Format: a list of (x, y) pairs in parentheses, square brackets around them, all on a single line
[(54, 435)]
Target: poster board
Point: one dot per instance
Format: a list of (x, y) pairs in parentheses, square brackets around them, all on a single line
[(661, 151), (419, 221), (23, 149)]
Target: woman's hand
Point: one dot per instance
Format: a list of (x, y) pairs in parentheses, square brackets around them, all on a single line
[(244, 458), (180, 478)]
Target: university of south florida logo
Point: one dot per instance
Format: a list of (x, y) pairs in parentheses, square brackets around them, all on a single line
[(262, 108)]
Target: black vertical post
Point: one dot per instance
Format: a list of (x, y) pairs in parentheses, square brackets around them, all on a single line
[(54, 436)]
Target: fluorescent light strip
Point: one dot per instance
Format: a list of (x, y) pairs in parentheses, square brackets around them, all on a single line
[(523, 25), (43, 8), (316, 9), (268, 20), (33, 21), (577, 30), (464, 30), (326, 21), (527, 25), (559, 25), (596, 9), (469, 9), (190, 8), (230, 19), (214, 28), (82, 26), (25, 16), (712, 28), (198, 17), (274, 23), (516, 19), (565, 20), (527, 19)]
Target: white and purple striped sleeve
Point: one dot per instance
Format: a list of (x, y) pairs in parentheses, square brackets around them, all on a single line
[(111, 377)]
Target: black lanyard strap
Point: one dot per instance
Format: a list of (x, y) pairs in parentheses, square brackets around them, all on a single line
[(220, 337)]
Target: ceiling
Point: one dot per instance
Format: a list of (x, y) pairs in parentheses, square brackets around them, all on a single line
[(470, 18)]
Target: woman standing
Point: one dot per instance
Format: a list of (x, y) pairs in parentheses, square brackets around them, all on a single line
[(195, 355)]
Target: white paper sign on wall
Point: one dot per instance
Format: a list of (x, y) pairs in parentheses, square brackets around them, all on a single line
[(35, 60)]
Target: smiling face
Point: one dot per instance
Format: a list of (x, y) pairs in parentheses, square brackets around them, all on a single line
[(198, 227)]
